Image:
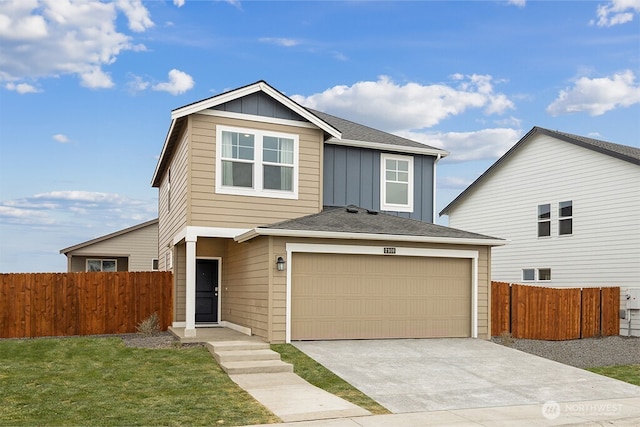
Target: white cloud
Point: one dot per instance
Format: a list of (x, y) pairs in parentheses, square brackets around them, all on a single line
[(77, 208), (137, 83), (454, 182), (280, 41), (56, 37), (598, 95), (519, 3), (179, 82), (63, 139), (12, 215), (22, 88), (137, 14), (485, 144), (386, 105), (616, 12), (95, 78)]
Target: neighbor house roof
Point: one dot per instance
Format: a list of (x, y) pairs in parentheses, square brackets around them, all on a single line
[(108, 236), (622, 152), (353, 222), (339, 131)]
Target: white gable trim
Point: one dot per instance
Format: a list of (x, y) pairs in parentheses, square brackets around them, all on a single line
[(248, 90), (388, 147)]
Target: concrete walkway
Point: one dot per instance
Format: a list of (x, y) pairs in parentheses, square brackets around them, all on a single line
[(616, 412), (258, 370), (293, 399)]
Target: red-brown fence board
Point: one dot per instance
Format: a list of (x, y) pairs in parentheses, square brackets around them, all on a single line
[(59, 304), (610, 302), (535, 312)]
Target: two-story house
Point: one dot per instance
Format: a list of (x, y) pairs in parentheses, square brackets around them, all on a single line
[(292, 224), (570, 208)]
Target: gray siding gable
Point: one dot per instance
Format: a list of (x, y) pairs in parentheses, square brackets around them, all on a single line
[(351, 176), (260, 104)]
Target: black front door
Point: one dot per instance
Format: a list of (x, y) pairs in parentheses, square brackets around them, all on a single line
[(207, 290)]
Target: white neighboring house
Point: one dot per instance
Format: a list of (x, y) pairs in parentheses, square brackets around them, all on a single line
[(131, 249), (569, 207)]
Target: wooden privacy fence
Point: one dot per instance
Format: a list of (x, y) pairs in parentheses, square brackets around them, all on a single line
[(58, 304), (553, 314)]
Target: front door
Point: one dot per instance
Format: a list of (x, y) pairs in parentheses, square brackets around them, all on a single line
[(207, 290)]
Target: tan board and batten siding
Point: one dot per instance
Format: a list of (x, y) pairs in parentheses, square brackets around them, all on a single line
[(337, 296)]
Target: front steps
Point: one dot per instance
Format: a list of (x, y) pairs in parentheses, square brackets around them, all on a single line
[(247, 357)]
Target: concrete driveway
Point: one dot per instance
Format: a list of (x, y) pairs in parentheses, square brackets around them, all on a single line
[(458, 373)]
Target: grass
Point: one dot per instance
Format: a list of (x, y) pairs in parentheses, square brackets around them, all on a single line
[(321, 377), (627, 373), (100, 382)]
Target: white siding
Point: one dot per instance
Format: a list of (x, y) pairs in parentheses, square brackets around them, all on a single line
[(604, 249)]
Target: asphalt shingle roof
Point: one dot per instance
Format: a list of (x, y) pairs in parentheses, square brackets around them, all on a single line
[(353, 219), (357, 132)]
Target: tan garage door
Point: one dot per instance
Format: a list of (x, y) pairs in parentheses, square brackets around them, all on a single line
[(337, 296)]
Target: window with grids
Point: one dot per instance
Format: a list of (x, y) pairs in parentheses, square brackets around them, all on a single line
[(396, 185), (544, 220), (565, 218), (256, 163)]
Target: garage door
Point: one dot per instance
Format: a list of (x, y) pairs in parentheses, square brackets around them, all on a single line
[(337, 296)]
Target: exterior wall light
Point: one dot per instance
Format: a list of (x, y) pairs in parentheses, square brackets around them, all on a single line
[(280, 264)]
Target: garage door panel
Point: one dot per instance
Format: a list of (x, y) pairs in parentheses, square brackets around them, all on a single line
[(364, 296)]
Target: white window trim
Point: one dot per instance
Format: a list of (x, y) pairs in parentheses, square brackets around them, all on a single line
[(86, 265), (561, 218), (383, 188), (257, 190)]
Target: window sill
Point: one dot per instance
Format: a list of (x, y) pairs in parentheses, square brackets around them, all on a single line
[(252, 193)]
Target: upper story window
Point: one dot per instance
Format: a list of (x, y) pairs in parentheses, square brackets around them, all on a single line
[(565, 215), (102, 265), (396, 186), (544, 220), (256, 163)]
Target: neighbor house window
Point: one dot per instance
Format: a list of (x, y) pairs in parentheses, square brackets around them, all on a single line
[(533, 274), (396, 184), (544, 274), (106, 265), (154, 264), (528, 274), (565, 215), (544, 220), (256, 163)]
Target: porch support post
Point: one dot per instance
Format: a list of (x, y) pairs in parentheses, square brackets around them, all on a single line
[(190, 329)]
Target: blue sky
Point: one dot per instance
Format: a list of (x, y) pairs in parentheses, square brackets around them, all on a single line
[(86, 89)]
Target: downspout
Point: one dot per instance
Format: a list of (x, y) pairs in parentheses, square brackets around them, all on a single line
[(435, 163)]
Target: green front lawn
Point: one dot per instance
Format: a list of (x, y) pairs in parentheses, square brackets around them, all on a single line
[(99, 381), (321, 377), (628, 373)]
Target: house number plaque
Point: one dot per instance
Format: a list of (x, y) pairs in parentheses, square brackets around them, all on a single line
[(389, 251)]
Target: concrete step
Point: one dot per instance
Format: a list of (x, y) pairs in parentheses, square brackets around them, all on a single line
[(256, 367), (218, 346), (245, 355)]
